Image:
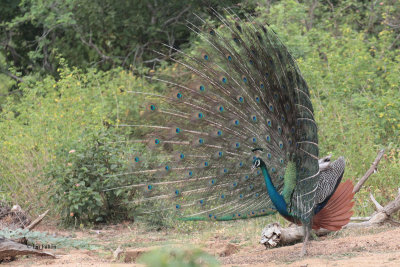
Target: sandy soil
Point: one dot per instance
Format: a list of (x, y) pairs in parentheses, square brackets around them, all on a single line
[(367, 247), (380, 249)]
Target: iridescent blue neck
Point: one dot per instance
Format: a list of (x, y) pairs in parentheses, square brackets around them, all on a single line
[(276, 198)]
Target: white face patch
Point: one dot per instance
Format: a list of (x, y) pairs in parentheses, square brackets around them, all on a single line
[(257, 164)]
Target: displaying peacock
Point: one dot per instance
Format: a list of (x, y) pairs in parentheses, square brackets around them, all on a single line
[(233, 136)]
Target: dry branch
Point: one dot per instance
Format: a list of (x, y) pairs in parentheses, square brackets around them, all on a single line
[(360, 218), (371, 170), (378, 206), (37, 221)]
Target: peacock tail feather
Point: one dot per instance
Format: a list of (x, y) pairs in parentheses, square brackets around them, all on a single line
[(239, 91)]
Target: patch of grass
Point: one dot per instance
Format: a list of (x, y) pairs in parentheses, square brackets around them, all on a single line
[(43, 238)]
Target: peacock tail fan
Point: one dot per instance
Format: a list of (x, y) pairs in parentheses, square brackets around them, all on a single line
[(240, 90)]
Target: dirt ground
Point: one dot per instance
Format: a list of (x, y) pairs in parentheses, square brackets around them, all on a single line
[(362, 247)]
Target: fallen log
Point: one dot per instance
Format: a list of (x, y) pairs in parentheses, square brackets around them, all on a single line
[(10, 249), (274, 235)]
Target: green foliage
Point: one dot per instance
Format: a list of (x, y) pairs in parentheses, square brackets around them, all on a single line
[(45, 239), (49, 120), (91, 166), (96, 33), (166, 257), (344, 65)]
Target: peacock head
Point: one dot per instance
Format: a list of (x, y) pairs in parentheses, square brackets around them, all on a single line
[(257, 161)]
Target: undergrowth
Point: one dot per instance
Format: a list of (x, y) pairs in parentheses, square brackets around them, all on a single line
[(44, 239)]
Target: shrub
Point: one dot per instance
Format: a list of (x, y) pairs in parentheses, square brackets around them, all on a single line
[(48, 120), (91, 166)]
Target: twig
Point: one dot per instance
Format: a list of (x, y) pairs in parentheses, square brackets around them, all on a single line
[(13, 76), (309, 22), (177, 17), (89, 43), (377, 205), (37, 221), (394, 42), (360, 218), (371, 170)]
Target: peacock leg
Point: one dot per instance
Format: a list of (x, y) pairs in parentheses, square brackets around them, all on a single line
[(306, 237)]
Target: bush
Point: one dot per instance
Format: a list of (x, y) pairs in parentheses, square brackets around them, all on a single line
[(90, 168), (48, 120)]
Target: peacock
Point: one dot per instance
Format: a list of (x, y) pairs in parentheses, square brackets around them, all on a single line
[(232, 135)]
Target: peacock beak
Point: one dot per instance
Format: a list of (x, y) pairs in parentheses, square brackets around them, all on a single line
[(253, 168)]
